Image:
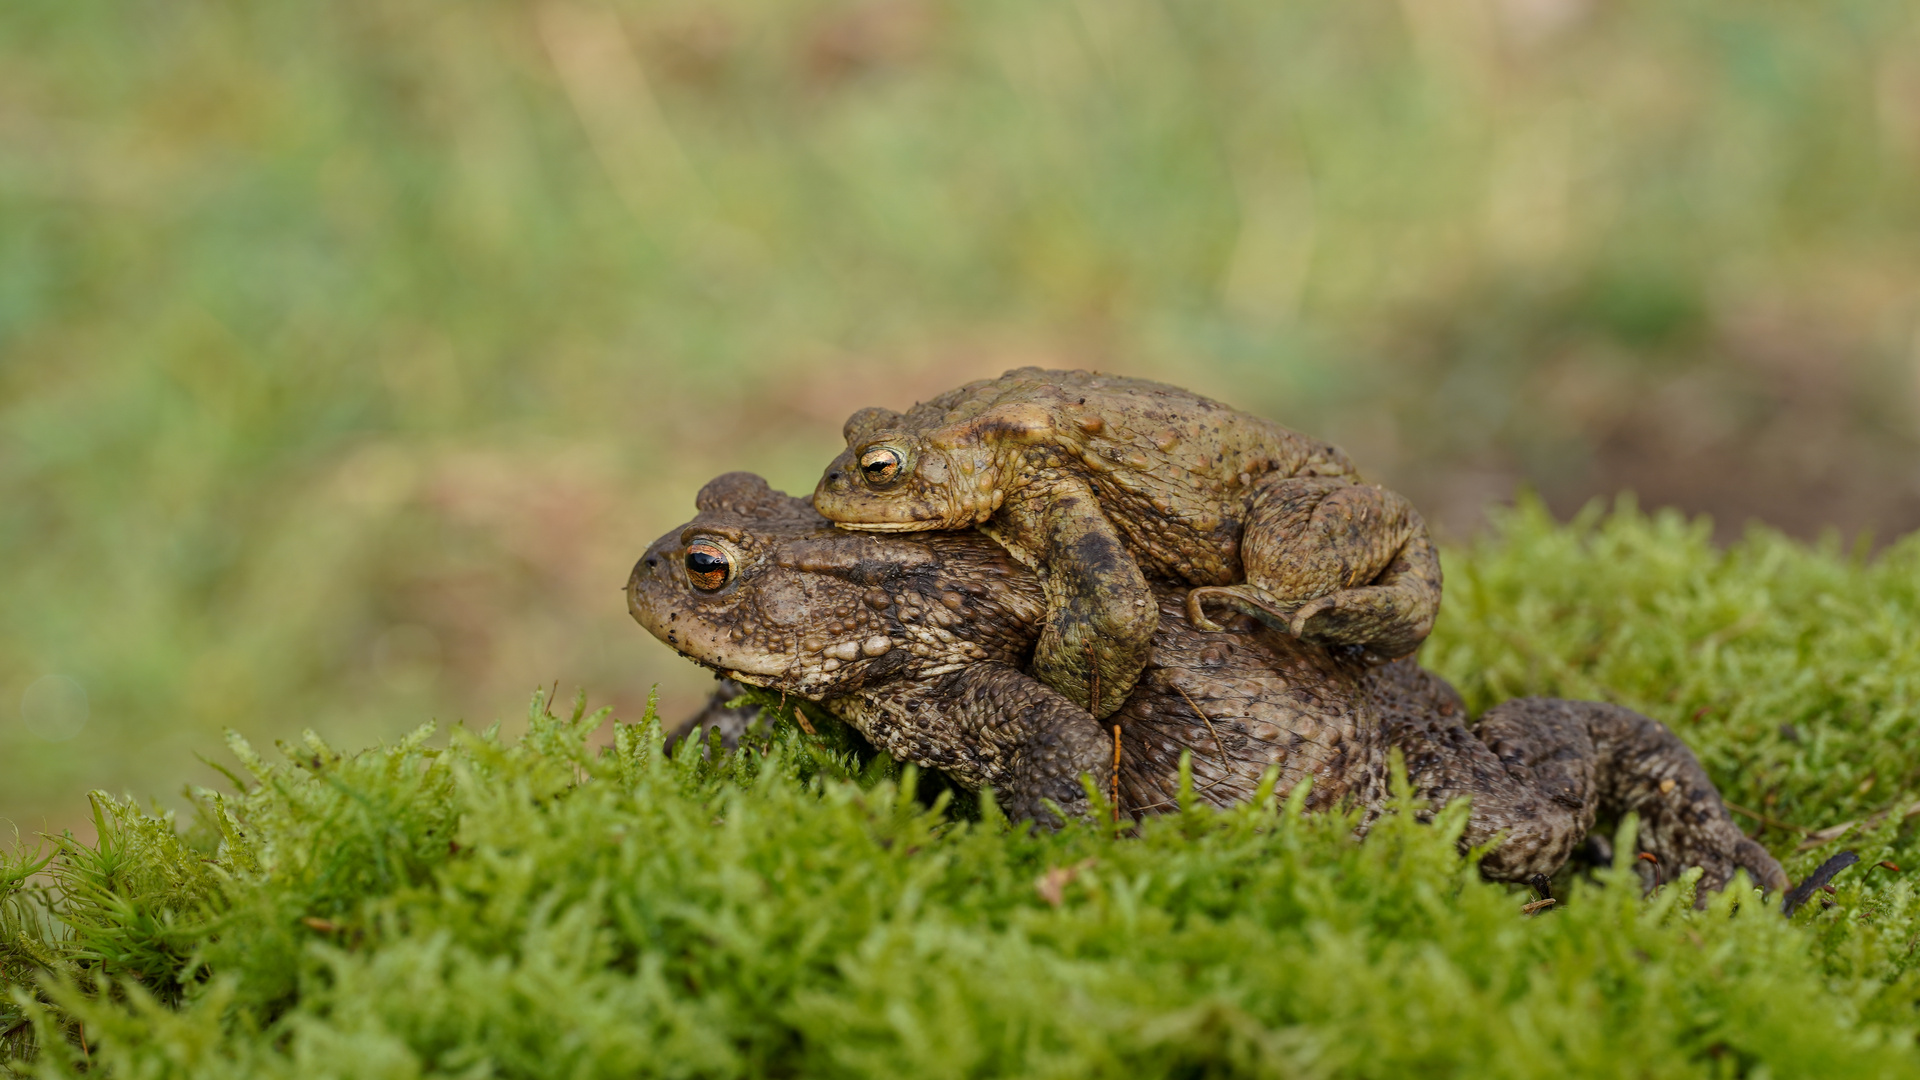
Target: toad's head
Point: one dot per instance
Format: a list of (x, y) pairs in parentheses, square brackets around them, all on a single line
[(761, 588)]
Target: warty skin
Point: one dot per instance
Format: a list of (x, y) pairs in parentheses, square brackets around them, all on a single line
[(920, 643), (1101, 482)]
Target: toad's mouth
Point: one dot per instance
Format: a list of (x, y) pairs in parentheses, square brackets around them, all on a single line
[(749, 677), (809, 683), (888, 526), (760, 671), (704, 645)]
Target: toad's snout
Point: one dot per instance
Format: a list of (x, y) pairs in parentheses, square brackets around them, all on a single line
[(650, 575), (838, 481), (647, 569)]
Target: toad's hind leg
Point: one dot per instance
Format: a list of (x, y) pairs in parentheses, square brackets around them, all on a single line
[(1334, 562), (1645, 769), (1617, 761), (1532, 790)]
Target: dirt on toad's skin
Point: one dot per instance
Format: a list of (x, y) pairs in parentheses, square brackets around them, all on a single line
[(919, 642), (1102, 480)]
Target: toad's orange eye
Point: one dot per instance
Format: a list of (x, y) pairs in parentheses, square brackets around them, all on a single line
[(708, 566), (880, 464)]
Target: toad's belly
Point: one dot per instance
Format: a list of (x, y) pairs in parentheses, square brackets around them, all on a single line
[(1198, 548)]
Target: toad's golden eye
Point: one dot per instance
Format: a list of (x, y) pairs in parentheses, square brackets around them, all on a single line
[(708, 566), (880, 465)]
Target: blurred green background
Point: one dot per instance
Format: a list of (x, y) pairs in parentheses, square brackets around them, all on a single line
[(351, 351)]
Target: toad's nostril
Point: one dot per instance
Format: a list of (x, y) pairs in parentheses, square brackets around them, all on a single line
[(833, 477), (653, 563)]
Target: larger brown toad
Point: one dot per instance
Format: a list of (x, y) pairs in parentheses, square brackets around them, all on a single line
[(919, 641), (1100, 481)]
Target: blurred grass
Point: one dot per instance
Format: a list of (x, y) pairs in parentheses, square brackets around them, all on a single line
[(350, 352)]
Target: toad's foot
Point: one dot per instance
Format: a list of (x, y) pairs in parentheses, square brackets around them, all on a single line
[(1095, 667), (1247, 599)]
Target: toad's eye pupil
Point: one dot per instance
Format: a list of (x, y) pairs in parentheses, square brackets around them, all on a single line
[(707, 566)]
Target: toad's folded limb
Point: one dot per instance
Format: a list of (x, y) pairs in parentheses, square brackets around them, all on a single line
[(1334, 562)]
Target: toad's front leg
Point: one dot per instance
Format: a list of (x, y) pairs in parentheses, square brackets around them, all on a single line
[(990, 723), (1336, 562), (1100, 613)]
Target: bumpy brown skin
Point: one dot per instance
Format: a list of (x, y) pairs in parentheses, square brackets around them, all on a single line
[(1100, 482), (919, 641)]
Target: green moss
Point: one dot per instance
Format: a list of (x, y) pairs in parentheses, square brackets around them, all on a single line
[(559, 906)]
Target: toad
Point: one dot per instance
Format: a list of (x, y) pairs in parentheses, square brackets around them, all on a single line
[(1099, 482), (919, 642)]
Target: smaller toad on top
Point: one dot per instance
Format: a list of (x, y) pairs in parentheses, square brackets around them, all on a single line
[(1092, 478)]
